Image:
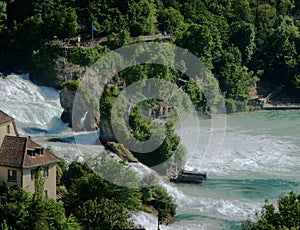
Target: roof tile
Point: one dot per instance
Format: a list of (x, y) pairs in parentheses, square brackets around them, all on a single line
[(4, 118), (14, 153)]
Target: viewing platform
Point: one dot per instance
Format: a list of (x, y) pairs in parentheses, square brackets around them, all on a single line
[(185, 176), (98, 41)]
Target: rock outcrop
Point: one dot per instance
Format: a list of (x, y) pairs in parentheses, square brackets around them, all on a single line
[(106, 134), (81, 114), (67, 71), (81, 108), (122, 152)]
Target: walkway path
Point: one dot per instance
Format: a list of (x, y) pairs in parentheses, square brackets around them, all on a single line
[(96, 42)]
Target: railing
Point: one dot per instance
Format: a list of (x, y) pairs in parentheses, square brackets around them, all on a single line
[(96, 42)]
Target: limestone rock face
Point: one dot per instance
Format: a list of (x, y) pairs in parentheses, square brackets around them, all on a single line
[(80, 111), (55, 74), (66, 71), (82, 115), (106, 134)]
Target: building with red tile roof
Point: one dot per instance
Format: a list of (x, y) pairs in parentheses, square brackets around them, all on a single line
[(7, 126), (20, 161)]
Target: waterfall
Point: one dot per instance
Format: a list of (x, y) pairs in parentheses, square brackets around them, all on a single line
[(82, 121), (35, 109)]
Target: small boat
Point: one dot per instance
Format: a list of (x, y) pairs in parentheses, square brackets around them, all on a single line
[(185, 176)]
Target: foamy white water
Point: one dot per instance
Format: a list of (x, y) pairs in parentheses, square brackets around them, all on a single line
[(35, 109)]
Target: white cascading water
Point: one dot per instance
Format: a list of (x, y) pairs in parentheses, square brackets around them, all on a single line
[(35, 109)]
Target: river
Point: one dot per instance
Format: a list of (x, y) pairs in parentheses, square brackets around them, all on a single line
[(259, 158)]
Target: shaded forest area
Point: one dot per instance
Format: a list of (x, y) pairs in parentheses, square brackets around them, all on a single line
[(241, 41)]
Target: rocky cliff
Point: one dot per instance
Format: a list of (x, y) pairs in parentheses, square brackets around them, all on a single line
[(81, 110), (78, 97), (67, 71)]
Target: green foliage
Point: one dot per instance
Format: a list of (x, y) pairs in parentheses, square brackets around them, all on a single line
[(164, 152), (285, 217), (39, 185), (21, 210), (170, 20), (3, 15), (243, 36), (296, 81), (103, 214), (235, 79), (142, 17), (61, 168), (47, 54), (198, 39), (158, 198), (265, 32), (110, 93), (85, 56), (94, 201), (71, 85)]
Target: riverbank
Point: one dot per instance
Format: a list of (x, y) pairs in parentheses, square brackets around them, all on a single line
[(286, 106)]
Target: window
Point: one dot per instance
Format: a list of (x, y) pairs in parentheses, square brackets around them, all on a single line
[(33, 174), (31, 152), (46, 193), (8, 129), (12, 176), (46, 171)]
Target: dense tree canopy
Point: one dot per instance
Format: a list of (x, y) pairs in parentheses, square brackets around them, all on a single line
[(266, 33), (284, 215)]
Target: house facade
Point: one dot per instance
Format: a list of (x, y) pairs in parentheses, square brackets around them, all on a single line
[(20, 161), (7, 126)]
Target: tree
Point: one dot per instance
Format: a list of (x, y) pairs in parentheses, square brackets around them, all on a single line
[(21, 210), (242, 10), (103, 214), (198, 40), (243, 36), (3, 15), (158, 197), (281, 54), (39, 185), (285, 7), (285, 217), (234, 78), (92, 200), (142, 17), (170, 20)]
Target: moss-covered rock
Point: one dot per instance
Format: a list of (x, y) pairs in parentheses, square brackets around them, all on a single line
[(121, 151)]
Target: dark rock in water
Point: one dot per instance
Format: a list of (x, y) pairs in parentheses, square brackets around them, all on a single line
[(70, 140), (106, 133), (4, 73), (33, 130), (121, 151), (19, 72)]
